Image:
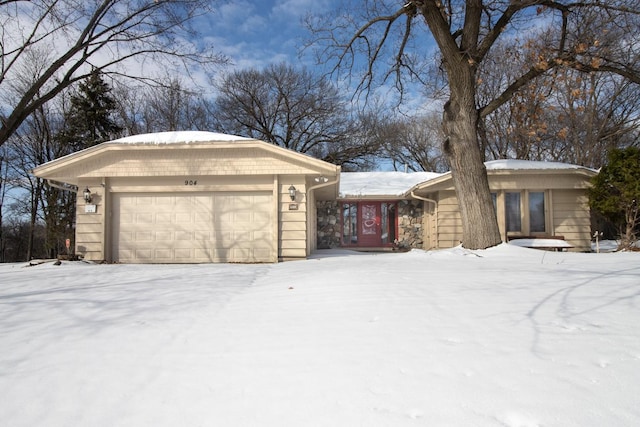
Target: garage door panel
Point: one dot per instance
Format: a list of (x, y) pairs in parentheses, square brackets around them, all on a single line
[(262, 239), (143, 236), (182, 254), (163, 253), (203, 218), (166, 200), (143, 218), (261, 253), (219, 227), (164, 218), (165, 236), (183, 218), (144, 254), (184, 235)]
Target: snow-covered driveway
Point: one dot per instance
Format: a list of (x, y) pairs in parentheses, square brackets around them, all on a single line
[(503, 337)]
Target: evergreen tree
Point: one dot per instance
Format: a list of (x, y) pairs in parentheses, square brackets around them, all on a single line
[(89, 120), (616, 192)]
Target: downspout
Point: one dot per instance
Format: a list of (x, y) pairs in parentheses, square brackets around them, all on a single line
[(435, 204)]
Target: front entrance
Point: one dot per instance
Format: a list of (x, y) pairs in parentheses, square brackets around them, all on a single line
[(369, 224)]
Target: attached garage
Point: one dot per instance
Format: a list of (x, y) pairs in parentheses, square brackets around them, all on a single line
[(193, 197), (176, 228)]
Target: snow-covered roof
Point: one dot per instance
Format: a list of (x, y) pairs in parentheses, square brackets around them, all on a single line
[(528, 165), (359, 184), (181, 137), (363, 184)]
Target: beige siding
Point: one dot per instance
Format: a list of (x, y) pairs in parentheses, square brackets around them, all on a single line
[(571, 217), (449, 221), (430, 237), (191, 183), (199, 162), (542, 179), (90, 226), (293, 219)]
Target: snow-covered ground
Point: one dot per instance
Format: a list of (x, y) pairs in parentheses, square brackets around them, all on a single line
[(503, 337)]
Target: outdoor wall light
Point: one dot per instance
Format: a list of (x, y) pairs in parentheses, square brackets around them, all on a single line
[(87, 195), (321, 179), (292, 193)]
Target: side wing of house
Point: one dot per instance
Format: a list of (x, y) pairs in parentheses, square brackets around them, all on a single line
[(534, 203)]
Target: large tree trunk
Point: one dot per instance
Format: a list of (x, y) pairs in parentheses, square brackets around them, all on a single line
[(479, 223), (460, 122)]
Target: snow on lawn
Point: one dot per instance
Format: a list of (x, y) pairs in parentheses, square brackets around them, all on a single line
[(503, 337)]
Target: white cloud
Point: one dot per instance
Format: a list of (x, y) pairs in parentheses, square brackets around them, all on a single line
[(299, 8)]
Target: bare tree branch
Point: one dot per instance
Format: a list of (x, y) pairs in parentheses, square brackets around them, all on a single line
[(102, 36)]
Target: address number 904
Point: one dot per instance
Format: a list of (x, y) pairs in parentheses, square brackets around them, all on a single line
[(190, 182)]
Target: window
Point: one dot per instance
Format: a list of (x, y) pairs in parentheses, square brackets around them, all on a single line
[(384, 222), (512, 211), (536, 212), (387, 222), (494, 199), (349, 223)]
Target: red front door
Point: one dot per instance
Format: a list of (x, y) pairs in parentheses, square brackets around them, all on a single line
[(368, 224), (370, 230)]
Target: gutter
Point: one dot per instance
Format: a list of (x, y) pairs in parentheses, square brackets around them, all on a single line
[(324, 182), (62, 186)]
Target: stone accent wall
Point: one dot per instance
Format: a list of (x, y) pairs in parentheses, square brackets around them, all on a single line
[(329, 226), (410, 233)]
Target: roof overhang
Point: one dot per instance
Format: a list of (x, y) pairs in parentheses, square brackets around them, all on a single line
[(94, 161), (445, 181)]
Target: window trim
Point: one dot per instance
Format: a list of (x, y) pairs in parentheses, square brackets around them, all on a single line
[(525, 219)]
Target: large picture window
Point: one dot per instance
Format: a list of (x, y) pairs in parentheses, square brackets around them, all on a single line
[(536, 212), (513, 212)]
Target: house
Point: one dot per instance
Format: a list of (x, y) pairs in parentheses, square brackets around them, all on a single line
[(537, 204), (193, 197), (198, 197)]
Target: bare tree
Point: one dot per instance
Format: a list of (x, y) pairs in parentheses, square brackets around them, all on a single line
[(78, 37), (414, 143), (392, 38), (591, 115), (32, 145), (565, 115), (293, 109), (4, 187)]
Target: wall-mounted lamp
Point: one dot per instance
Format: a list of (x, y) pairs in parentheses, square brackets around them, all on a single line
[(292, 193), (87, 195), (321, 179)]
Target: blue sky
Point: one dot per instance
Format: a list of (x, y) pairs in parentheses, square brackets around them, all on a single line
[(257, 33), (254, 34)]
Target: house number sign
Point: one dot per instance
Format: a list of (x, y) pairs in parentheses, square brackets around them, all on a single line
[(190, 182)]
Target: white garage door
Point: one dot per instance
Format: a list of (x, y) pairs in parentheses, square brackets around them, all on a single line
[(196, 228)]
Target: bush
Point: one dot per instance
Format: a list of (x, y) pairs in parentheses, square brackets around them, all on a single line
[(616, 193)]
